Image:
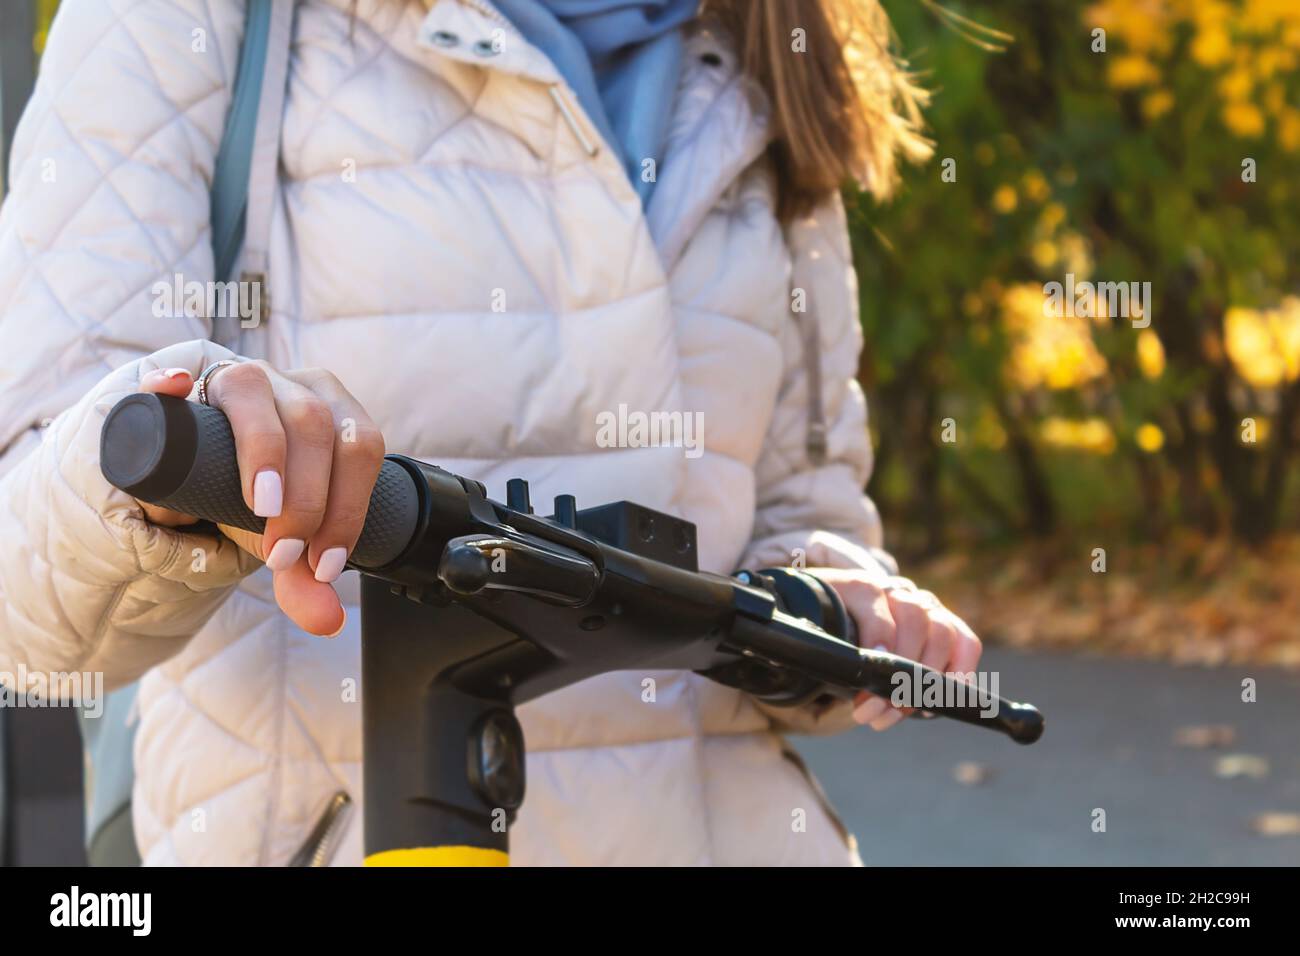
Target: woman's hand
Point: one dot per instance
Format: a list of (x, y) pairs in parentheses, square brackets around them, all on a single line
[(308, 459), (893, 616)]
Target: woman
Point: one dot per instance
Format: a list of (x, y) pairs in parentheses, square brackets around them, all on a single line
[(493, 225)]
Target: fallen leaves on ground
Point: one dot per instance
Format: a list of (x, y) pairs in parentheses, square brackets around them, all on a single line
[(1241, 765), (1276, 824), (1202, 737), (971, 774)]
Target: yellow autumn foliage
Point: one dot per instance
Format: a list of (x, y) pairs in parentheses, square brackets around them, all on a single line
[(1129, 71), (1243, 119), (988, 431), (1035, 186), (1150, 354), (1264, 344), (1149, 437), (1250, 44), (1054, 352), (1157, 103), (1005, 199), (1093, 435)]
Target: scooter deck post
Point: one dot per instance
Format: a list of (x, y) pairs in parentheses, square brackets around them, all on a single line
[(444, 766)]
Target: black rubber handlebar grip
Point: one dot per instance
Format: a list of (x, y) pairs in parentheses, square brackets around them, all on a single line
[(181, 455)]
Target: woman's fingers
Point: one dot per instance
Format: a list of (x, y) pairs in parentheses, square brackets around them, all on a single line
[(911, 628), (940, 638), (250, 541), (868, 709), (356, 466), (311, 605), (168, 381), (866, 602), (244, 393), (868, 605), (913, 620), (877, 626), (358, 454), (309, 453), (918, 638), (308, 458), (314, 607), (897, 617), (331, 456), (967, 647)]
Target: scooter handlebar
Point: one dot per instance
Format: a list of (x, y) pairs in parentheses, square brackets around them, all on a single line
[(910, 684), (180, 455)]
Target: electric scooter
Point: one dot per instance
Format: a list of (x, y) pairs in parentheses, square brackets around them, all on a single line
[(470, 607)]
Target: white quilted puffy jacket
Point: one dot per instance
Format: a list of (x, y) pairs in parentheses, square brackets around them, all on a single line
[(444, 240)]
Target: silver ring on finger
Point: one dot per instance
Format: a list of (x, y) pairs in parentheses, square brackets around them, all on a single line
[(202, 382), (897, 583)]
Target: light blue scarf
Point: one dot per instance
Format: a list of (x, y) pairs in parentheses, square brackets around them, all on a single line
[(622, 58)]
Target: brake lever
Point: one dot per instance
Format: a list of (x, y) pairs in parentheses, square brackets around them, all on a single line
[(474, 563)]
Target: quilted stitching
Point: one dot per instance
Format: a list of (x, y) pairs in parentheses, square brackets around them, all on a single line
[(239, 717)]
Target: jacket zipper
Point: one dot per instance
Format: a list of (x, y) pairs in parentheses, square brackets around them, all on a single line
[(591, 148), (323, 841)]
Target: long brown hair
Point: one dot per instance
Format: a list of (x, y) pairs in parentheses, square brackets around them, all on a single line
[(843, 106)]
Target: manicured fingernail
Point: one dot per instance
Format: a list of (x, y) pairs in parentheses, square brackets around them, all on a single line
[(330, 564), (341, 626), (285, 552), (161, 373), (268, 494)]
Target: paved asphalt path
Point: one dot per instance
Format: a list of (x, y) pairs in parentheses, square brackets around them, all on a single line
[(1109, 743)]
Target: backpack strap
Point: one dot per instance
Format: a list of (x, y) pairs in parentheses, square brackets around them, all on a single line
[(247, 165), (815, 438)]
